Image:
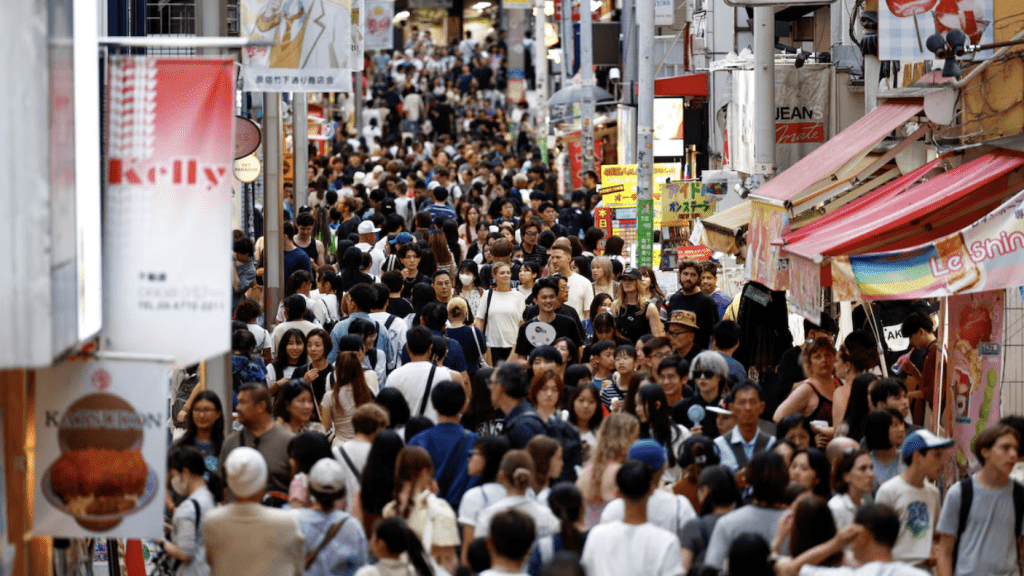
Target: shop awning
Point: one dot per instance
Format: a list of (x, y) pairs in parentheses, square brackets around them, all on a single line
[(827, 163), (720, 229), (692, 85), (900, 215)]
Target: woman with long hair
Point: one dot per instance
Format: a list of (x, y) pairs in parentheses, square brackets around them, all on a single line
[(398, 550), (810, 469), (414, 499), (291, 356), (376, 483), (500, 313), (483, 464), (649, 289), (566, 503), (601, 303), (717, 496), (547, 463), (634, 316), (467, 285), (813, 396), (568, 349), (470, 218), (855, 356), (482, 417), (585, 413), (857, 408), (187, 473), (294, 407), (204, 428), (656, 423), (853, 478), (317, 373), (348, 392), (438, 244), (351, 264), (546, 394), (597, 479), (604, 277), (328, 284)]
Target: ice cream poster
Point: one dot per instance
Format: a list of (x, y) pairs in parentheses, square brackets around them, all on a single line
[(974, 371), (101, 448)]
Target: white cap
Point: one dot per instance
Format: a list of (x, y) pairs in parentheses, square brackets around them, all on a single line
[(327, 476), (246, 472), (358, 177), (366, 227)]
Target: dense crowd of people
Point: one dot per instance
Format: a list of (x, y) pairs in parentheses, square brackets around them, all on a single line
[(466, 377)]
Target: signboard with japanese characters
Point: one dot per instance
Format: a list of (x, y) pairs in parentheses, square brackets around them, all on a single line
[(684, 201)]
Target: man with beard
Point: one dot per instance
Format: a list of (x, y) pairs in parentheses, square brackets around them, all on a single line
[(691, 298)]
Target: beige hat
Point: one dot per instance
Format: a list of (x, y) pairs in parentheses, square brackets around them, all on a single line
[(327, 476), (684, 318), (246, 472)]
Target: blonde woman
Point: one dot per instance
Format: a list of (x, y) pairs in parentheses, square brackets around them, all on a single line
[(604, 277), (634, 315), (500, 312), (597, 480)]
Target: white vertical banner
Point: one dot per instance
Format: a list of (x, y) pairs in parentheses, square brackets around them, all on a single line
[(379, 25), (358, 32), (664, 12), (101, 448), (167, 210)]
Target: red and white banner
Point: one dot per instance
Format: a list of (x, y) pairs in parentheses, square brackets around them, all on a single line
[(167, 211)]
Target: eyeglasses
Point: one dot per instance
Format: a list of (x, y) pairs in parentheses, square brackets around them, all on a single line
[(532, 233), (705, 374), (676, 332)]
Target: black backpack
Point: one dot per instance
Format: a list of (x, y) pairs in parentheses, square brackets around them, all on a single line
[(565, 433), (967, 495)]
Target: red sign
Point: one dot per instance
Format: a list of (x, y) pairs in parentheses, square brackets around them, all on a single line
[(799, 132), (576, 160), (700, 253)]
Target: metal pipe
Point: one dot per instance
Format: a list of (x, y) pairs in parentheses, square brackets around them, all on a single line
[(273, 252), (181, 42), (645, 132), (977, 70), (540, 67), (764, 90), (626, 113), (587, 76), (567, 43)]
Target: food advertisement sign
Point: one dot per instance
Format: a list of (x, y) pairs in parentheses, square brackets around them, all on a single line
[(101, 449), (974, 375)]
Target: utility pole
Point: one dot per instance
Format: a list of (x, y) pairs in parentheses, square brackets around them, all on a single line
[(300, 150), (569, 60), (645, 134), (587, 77), (626, 110), (357, 93), (273, 252), (764, 91), (540, 67)]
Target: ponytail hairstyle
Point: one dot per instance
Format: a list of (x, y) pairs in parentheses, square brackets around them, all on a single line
[(411, 463), (516, 470), (398, 538), (542, 448), (188, 458), (566, 501)]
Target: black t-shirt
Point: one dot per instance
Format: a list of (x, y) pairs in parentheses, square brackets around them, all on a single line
[(560, 326), (408, 283), (632, 322), (704, 307), (539, 255), (565, 310), (400, 307), (709, 423), (319, 385)]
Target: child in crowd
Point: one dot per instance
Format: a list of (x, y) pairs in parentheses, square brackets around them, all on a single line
[(603, 363)]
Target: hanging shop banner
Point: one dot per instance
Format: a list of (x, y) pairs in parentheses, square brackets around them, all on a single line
[(311, 45), (764, 265), (380, 25), (905, 25), (975, 372), (987, 255), (168, 202), (683, 202), (101, 448), (574, 142), (625, 175), (357, 27), (805, 288), (801, 114)]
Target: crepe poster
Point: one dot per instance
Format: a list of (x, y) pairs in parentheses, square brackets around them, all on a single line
[(101, 449)]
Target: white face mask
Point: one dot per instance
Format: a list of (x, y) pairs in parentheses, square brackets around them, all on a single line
[(466, 279), (179, 484)]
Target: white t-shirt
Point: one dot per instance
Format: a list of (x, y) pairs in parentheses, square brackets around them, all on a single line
[(263, 339), (357, 451), (869, 569), (411, 381), (376, 258), (544, 520), (918, 509), (620, 549), (476, 499), (843, 510), (581, 293), (328, 306), (503, 318), (664, 510)]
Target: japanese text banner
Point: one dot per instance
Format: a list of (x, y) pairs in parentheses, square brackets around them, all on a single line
[(167, 210)]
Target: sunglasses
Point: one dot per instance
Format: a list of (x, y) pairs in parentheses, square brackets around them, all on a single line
[(705, 374)]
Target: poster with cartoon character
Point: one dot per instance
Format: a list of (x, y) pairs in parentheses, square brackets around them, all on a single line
[(973, 375)]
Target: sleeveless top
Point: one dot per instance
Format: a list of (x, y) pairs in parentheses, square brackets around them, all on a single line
[(310, 250), (632, 322), (824, 409)]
